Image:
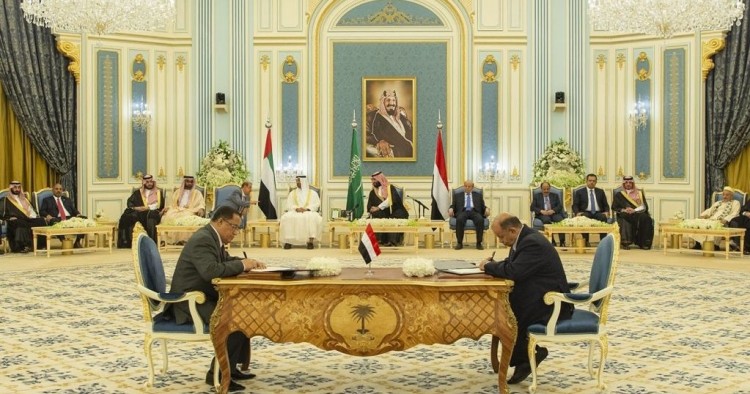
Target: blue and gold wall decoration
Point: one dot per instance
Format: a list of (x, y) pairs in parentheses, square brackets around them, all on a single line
[(675, 84), (290, 111), (390, 13), (643, 130), (107, 115), (490, 109), (139, 102)]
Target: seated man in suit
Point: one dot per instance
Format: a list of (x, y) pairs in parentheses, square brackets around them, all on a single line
[(21, 217), (742, 221), (239, 200), (384, 202), (548, 208), (591, 202), (301, 223), (468, 206), (144, 205), (186, 201), (57, 207), (632, 216)]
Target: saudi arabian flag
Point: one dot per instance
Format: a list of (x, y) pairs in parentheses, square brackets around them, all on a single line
[(354, 200), (267, 194)]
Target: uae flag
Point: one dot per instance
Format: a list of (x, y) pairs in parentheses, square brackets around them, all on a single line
[(368, 245), (267, 194), (440, 193)]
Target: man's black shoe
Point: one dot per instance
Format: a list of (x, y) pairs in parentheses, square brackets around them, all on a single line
[(747, 252), (697, 246), (626, 246), (524, 370), (480, 247), (459, 246), (77, 245), (233, 386), (310, 245), (239, 375), (287, 246), (588, 244)]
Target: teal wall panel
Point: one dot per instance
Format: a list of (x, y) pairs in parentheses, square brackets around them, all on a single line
[(490, 109), (107, 115), (426, 62), (643, 131), (290, 110), (139, 135), (673, 146)]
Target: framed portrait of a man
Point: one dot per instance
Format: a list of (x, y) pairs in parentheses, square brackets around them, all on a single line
[(390, 130)]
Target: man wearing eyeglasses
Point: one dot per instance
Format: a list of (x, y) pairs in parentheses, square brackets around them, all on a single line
[(203, 259), (636, 226)]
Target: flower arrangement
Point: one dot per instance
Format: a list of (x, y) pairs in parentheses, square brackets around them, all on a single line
[(559, 165), (418, 267), (579, 221), (220, 166), (679, 215), (75, 222), (708, 224), (385, 222), (324, 266), (188, 220)]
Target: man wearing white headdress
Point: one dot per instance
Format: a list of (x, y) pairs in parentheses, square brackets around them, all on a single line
[(186, 201), (301, 223), (16, 209), (723, 210)]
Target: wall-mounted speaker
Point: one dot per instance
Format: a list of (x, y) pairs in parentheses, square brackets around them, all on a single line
[(559, 97), (220, 99)]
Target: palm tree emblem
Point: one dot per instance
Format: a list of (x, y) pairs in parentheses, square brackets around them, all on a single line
[(362, 313)]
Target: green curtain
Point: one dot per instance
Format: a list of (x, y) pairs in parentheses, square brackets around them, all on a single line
[(20, 161)]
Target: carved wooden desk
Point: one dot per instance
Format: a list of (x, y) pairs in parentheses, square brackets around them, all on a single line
[(366, 316)]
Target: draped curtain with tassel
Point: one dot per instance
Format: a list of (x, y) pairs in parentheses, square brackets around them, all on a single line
[(728, 106), (40, 90)]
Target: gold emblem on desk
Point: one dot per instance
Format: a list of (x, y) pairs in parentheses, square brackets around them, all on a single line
[(364, 322)]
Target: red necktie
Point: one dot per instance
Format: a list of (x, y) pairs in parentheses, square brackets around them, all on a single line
[(60, 209)]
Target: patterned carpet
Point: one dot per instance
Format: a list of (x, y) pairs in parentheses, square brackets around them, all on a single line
[(672, 330)]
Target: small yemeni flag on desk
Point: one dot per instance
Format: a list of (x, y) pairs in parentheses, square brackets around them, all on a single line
[(368, 245)]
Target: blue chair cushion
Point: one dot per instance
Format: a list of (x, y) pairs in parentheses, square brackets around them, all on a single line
[(537, 224), (582, 322), (469, 224), (162, 323)]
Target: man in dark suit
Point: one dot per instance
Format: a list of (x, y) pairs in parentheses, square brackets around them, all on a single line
[(203, 259), (548, 208), (591, 202), (742, 221), (468, 205), (57, 208), (535, 268), (239, 200)]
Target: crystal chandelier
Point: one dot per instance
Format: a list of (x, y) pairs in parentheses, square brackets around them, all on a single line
[(100, 16), (141, 117), (664, 18)]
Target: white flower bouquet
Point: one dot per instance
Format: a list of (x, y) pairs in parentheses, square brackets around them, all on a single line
[(324, 266), (75, 222), (418, 267), (679, 215), (559, 165), (708, 224), (220, 166), (189, 221), (579, 221)]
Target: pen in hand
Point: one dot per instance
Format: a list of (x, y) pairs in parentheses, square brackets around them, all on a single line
[(493, 255), (245, 253)]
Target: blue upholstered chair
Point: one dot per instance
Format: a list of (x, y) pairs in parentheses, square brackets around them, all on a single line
[(151, 284), (222, 193), (536, 223), (588, 326), (739, 195), (39, 196), (471, 227)]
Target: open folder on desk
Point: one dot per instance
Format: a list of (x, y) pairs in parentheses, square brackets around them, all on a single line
[(457, 267), (278, 273)]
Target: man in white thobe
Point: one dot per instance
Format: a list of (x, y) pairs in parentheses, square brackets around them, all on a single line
[(301, 223)]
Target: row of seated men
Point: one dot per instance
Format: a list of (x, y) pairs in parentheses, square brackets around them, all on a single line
[(21, 216)]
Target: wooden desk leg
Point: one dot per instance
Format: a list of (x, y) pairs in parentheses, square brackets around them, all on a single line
[(48, 245), (501, 367), (332, 234), (219, 339)]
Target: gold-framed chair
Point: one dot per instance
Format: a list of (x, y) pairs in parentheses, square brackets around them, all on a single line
[(589, 326)]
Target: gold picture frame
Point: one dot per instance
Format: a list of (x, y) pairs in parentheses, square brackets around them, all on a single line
[(389, 131)]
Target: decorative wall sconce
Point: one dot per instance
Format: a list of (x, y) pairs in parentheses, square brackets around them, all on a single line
[(141, 117), (289, 172), (638, 116), (490, 172)]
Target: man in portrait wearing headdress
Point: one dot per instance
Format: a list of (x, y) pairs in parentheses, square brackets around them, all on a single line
[(301, 223), (186, 201), (389, 130), (144, 206), (21, 217), (636, 226), (384, 202)]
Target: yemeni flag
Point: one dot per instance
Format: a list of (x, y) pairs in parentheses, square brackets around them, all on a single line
[(440, 194), (354, 200), (368, 245), (267, 194)]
